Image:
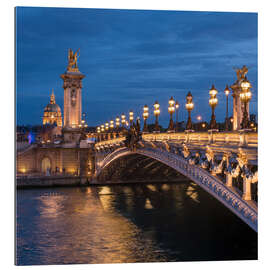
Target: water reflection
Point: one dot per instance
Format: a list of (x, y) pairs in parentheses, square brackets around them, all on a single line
[(135, 223), (148, 204)]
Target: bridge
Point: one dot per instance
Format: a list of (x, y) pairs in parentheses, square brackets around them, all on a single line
[(224, 164)]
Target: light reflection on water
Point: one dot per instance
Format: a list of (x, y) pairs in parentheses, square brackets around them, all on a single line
[(132, 223)]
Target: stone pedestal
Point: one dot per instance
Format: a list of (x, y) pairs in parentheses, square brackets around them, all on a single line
[(71, 135)]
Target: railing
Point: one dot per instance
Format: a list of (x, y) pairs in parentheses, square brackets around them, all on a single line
[(110, 142), (248, 139), (237, 138)]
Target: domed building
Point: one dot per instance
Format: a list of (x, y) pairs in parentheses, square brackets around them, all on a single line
[(52, 113)]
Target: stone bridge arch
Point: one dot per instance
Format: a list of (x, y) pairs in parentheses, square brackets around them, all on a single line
[(210, 183)]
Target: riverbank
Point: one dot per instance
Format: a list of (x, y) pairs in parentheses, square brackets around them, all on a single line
[(51, 181), (71, 181)]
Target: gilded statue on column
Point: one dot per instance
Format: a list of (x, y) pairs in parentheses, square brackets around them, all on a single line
[(73, 60), (241, 73)]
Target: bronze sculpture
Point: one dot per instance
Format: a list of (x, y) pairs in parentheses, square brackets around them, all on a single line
[(241, 72), (72, 60)]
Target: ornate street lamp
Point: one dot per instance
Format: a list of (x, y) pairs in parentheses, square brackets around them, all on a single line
[(245, 97), (156, 113), (123, 120), (213, 101), (145, 116), (177, 105), (111, 124), (171, 110), (107, 136), (189, 108), (117, 122), (227, 92), (102, 131), (131, 117), (98, 133)]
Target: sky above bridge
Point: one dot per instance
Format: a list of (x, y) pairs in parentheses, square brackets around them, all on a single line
[(132, 58)]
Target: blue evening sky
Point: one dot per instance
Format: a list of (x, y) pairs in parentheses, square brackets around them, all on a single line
[(132, 58)]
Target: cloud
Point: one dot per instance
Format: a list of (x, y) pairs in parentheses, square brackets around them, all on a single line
[(131, 57)]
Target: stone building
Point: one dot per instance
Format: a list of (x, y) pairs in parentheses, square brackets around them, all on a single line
[(52, 113)]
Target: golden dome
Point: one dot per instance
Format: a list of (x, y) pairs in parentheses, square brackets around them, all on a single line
[(52, 113)]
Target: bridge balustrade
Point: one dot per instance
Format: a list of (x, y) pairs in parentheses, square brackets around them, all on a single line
[(249, 139)]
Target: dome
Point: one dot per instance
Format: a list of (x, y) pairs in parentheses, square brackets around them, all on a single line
[(52, 108), (52, 113)]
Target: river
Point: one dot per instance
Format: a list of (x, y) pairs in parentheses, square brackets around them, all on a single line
[(154, 222)]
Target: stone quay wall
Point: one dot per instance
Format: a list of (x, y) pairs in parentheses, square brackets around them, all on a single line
[(71, 160), (51, 181)]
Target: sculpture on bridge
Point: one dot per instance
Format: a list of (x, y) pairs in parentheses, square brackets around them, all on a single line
[(185, 151), (133, 136), (72, 61), (241, 73)]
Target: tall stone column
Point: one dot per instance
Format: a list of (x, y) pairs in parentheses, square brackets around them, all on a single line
[(72, 84), (72, 98), (238, 106)]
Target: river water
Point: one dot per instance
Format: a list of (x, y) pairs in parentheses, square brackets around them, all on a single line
[(128, 223)]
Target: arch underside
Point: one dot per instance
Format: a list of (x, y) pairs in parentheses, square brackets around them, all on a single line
[(203, 178), (138, 168)]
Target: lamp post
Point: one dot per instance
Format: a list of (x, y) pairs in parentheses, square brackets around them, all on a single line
[(245, 97), (107, 130), (227, 92), (98, 134), (123, 120), (213, 101), (111, 128), (189, 108), (102, 131), (145, 116), (177, 105), (111, 124), (131, 117), (156, 113), (171, 110), (117, 123)]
